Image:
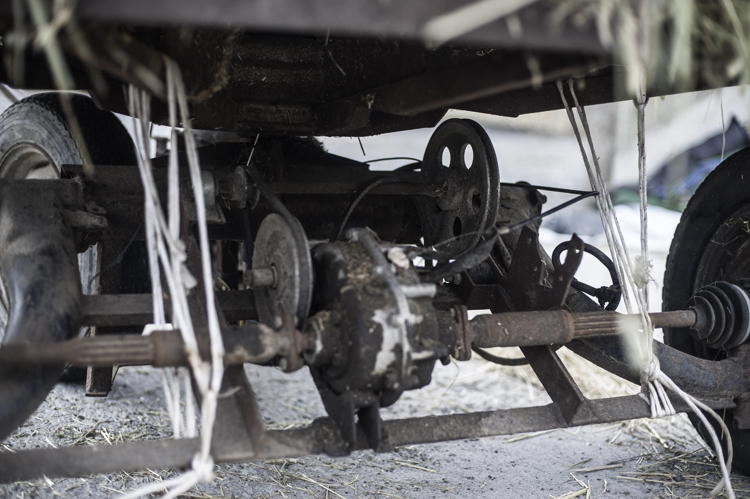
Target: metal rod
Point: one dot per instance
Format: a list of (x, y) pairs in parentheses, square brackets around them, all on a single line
[(322, 436), (252, 343), (345, 188), (557, 327)]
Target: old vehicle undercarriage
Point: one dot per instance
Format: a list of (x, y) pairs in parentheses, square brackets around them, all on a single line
[(365, 277)]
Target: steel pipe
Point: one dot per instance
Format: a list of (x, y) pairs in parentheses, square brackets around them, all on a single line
[(252, 343), (558, 327)]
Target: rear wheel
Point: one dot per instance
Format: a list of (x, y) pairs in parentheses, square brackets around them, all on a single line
[(36, 139), (712, 243)]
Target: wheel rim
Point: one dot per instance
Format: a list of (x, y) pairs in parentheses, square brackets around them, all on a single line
[(726, 257), (27, 161)]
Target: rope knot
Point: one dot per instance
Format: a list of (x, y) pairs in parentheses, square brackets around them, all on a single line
[(203, 468), (649, 374), (642, 271), (653, 369)]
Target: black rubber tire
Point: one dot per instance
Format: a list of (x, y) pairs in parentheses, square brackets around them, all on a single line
[(40, 120), (722, 193)]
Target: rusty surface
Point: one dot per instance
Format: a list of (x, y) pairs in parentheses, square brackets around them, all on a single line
[(522, 329), (557, 327), (533, 286), (252, 343), (592, 324)]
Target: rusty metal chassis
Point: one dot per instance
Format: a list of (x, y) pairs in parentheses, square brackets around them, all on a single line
[(277, 67), (240, 432)]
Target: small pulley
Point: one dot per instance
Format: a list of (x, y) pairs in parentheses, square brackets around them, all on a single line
[(281, 276), (459, 156), (281, 262)]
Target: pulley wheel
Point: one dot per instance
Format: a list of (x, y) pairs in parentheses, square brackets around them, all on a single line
[(282, 247), (459, 156)]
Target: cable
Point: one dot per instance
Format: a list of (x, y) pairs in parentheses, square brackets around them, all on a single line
[(471, 258), (359, 193), (544, 188), (610, 295), (482, 251), (506, 361), (393, 158), (503, 361), (506, 230)]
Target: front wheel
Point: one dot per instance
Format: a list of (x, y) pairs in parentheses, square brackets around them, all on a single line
[(36, 139), (712, 243)]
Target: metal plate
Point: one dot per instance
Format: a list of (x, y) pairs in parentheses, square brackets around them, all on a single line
[(284, 249), (469, 205)]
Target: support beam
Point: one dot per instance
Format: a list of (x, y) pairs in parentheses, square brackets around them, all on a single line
[(137, 309), (475, 80), (322, 436)]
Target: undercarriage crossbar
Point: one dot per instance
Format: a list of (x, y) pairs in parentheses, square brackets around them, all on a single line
[(320, 437)]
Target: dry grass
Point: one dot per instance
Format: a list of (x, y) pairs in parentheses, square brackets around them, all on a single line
[(594, 381), (677, 42)]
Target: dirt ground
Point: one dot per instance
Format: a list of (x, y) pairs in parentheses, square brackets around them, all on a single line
[(641, 459)]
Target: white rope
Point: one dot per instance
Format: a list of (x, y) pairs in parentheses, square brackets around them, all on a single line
[(636, 278), (167, 256)]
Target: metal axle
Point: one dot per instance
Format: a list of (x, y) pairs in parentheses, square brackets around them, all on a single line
[(252, 343), (258, 344), (557, 327)]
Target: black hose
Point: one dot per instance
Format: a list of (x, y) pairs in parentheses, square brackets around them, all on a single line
[(506, 361), (503, 361), (606, 294), (482, 251), (468, 260)]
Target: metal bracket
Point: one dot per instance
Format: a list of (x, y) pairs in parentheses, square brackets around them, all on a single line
[(558, 382), (525, 280)]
